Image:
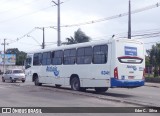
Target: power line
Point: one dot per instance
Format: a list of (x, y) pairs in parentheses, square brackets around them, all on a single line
[(2, 21), (28, 44), (143, 35), (146, 34), (14, 8), (135, 33), (3, 2), (152, 42), (115, 16), (25, 35), (34, 39), (19, 38)]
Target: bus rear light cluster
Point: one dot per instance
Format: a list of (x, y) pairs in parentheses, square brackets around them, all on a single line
[(116, 73)]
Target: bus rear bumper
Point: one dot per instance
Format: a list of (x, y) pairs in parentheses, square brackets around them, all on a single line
[(126, 83)]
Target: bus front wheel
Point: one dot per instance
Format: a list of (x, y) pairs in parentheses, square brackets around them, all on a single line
[(101, 89), (75, 84), (36, 82)]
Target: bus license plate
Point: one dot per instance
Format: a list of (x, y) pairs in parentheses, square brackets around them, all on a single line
[(130, 77)]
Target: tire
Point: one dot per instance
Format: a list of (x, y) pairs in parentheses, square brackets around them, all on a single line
[(11, 81), (36, 81), (3, 79), (101, 89), (83, 89), (75, 84), (23, 81), (57, 86)]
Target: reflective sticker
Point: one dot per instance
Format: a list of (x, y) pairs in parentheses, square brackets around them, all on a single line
[(52, 69), (132, 67), (141, 68)]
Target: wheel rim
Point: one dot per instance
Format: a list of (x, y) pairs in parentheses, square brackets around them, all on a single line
[(36, 81), (75, 85)]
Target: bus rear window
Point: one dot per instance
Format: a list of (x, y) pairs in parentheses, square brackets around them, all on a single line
[(130, 59)]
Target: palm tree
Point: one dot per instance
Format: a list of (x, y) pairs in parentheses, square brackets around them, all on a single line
[(79, 37), (70, 40)]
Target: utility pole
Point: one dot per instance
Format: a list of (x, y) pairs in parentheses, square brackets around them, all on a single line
[(59, 31), (58, 22), (4, 59), (129, 21), (43, 44)]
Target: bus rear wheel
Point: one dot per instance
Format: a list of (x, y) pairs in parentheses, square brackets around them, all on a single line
[(57, 86), (101, 89), (36, 81), (75, 84), (23, 81)]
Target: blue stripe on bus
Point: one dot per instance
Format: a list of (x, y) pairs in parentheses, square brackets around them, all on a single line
[(126, 83)]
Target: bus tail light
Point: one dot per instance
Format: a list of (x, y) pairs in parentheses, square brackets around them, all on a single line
[(116, 73)]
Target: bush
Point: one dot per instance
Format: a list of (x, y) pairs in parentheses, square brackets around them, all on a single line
[(154, 79), (155, 72)]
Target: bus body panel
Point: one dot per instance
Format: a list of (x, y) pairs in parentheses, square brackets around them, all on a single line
[(130, 63), (97, 75)]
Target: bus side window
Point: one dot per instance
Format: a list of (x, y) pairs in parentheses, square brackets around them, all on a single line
[(84, 55), (37, 59), (40, 58), (100, 53), (57, 57), (69, 56), (46, 58)]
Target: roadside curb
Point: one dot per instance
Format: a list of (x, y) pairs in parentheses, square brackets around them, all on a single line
[(157, 85)]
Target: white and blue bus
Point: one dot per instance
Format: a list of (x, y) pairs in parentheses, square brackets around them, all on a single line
[(99, 65)]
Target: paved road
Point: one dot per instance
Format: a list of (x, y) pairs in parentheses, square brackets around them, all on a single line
[(28, 95), (148, 96), (144, 95), (16, 94)]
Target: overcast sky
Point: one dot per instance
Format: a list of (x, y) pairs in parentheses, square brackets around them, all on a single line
[(18, 17)]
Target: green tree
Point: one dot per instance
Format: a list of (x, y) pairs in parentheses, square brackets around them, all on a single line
[(20, 55), (147, 61), (79, 37), (154, 58)]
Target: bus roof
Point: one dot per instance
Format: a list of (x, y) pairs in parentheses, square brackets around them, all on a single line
[(84, 44)]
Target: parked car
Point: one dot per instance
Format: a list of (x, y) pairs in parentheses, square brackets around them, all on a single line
[(14, 75)]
